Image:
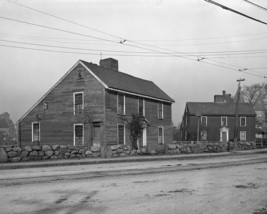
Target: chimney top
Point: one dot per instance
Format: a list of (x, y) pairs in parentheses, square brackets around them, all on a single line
[(109, 63)]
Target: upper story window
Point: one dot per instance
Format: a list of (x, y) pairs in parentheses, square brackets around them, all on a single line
[(243, 121), (121, 104), (204, 120), (223, 121), (141, 106), (78, 103), (80, 73), (35, 131), (160, 110), (45, 105)]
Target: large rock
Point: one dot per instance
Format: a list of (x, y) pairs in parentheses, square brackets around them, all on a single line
[(95, 148), (172, 146), (143, 150), (27, 148), (41, 153), (88, 153), (36, 147), (12, 154), (96, 154), (34, 153), (46, 148), (15, 159), (115, 147), (3, 155), (55, 147), (81, 151), (153, 152), (24, 154), (17, 149), (49, 153), (8, 148)]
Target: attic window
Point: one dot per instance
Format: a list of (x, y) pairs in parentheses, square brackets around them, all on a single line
[(45, 105), (80, 73)]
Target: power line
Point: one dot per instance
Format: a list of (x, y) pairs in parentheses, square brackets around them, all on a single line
[(66, 20), (256, 5), (234, 11), (121, 42)]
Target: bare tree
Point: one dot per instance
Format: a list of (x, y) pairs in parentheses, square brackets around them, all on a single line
[(251, 93)]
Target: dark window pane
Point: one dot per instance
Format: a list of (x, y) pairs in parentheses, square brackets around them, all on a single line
[(121, 134)]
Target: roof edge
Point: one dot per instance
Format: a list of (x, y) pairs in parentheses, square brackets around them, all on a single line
[(141, 95), (55, 85)]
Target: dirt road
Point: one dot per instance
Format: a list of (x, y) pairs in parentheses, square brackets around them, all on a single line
[(238, 185)]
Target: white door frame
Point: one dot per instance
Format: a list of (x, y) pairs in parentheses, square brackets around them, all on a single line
[(226, 130)]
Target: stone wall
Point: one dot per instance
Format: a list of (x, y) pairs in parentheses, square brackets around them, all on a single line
[(36, 152), (208, 147), (122, 151)]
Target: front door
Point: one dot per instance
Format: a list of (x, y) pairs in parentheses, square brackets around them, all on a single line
[(96, 135), (224, 134)]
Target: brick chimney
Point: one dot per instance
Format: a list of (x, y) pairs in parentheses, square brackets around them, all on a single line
[(109, 63)]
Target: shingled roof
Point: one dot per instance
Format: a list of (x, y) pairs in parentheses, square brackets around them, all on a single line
[(222, 109), (121, 81)]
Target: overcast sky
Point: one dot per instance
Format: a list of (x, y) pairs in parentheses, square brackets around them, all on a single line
[(164, 41)]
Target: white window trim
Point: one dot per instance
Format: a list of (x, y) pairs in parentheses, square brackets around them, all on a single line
[(245, 135), (206, 120), (39, 130), (124, 134), (123, 113), (245, 122), (162, 134), (45, 105), (222, 121), (79, 92), (162, 112), (144, 107), (77, 124)]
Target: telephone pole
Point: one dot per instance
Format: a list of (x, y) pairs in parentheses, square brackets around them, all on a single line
[(237, 109)]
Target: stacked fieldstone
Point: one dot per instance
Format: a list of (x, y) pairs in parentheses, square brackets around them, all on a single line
[(122, 151), (37, 152), (208, 147)]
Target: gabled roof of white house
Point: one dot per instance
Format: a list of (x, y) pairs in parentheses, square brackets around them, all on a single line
[(117, 80)]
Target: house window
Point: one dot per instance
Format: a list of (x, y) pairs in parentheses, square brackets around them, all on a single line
[(160, 110), (35, 132), (204, 120), (80, 73), (141, 107), (78, 103), (185, 135), (121, 104), (243, 135), (78, 135), (45, 105), (160, 135), (243, 121), (121, 134), (203, 135), (223, 121)]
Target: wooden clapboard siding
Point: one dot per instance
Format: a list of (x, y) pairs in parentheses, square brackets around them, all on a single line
[(151, 114), (56, 123)]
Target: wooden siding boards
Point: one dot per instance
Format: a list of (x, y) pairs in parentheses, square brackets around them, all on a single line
[(57, 122), (214, 125)]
